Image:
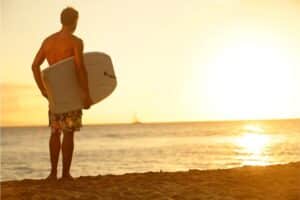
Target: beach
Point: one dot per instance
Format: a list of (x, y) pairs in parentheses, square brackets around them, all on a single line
[(280, 182)]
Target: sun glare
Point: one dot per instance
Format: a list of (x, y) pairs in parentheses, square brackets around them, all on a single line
[(254, 145)]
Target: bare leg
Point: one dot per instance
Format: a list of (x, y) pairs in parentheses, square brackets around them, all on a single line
[(54, 148), (67, 151)]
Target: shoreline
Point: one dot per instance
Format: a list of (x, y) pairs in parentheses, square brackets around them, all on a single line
[(250, 182)]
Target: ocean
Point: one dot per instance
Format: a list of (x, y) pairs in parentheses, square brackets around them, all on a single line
[(128, 148)]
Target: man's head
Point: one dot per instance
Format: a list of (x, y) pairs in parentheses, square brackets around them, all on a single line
[(69, 17)]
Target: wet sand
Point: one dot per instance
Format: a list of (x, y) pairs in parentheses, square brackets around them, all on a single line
[(278, 182)]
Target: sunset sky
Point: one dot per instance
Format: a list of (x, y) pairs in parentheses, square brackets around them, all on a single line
[(175, 60)]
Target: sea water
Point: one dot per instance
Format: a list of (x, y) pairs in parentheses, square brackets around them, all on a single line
[(119, 149)]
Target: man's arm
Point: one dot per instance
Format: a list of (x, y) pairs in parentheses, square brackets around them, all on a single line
[(38, 60), (81, 72)]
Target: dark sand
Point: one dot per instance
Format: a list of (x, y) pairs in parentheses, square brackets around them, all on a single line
[(278, 182)]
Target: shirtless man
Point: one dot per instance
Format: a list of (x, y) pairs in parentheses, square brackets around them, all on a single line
[(54, 48)]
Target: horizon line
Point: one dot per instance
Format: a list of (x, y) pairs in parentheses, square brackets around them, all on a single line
[(160, 122)]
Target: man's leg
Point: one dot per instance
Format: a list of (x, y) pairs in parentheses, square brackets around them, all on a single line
[(54, 148), (67, 150)]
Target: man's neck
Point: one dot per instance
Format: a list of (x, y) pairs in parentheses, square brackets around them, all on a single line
[(66, 30)]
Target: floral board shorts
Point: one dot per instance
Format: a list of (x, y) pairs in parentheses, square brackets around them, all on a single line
[(66, 122)]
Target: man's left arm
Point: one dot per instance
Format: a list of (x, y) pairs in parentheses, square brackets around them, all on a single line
[(38, 60)]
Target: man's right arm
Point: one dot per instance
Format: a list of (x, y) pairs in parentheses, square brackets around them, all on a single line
[(38, 60), (81, 72)]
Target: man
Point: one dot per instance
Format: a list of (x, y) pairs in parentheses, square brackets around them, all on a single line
[(54, 48)]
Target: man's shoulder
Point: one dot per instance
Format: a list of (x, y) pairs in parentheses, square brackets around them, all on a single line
[(52, 36), (77, 40), (49, 38)]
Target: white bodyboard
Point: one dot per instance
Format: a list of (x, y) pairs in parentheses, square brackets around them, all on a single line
[(62, 85)]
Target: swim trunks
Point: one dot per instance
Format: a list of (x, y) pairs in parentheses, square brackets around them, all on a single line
[(66, 122)]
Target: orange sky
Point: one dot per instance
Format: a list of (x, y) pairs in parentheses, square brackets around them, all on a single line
[(175, 60)]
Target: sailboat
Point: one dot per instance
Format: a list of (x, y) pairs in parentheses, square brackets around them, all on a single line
[(136, 120)]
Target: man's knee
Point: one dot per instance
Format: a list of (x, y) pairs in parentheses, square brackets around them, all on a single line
[(55, 133)]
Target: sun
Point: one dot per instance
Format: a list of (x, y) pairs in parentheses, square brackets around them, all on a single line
[(252, 80), (249, 79)]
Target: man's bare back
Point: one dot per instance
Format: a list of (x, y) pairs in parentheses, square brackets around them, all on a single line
[(59, 46)]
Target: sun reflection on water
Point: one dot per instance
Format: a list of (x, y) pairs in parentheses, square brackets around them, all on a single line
[(253, 143)]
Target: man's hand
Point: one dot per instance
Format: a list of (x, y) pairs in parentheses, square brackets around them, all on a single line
[(44, 93), (87, 102)]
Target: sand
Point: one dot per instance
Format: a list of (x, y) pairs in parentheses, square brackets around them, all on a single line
[(271, 182)]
